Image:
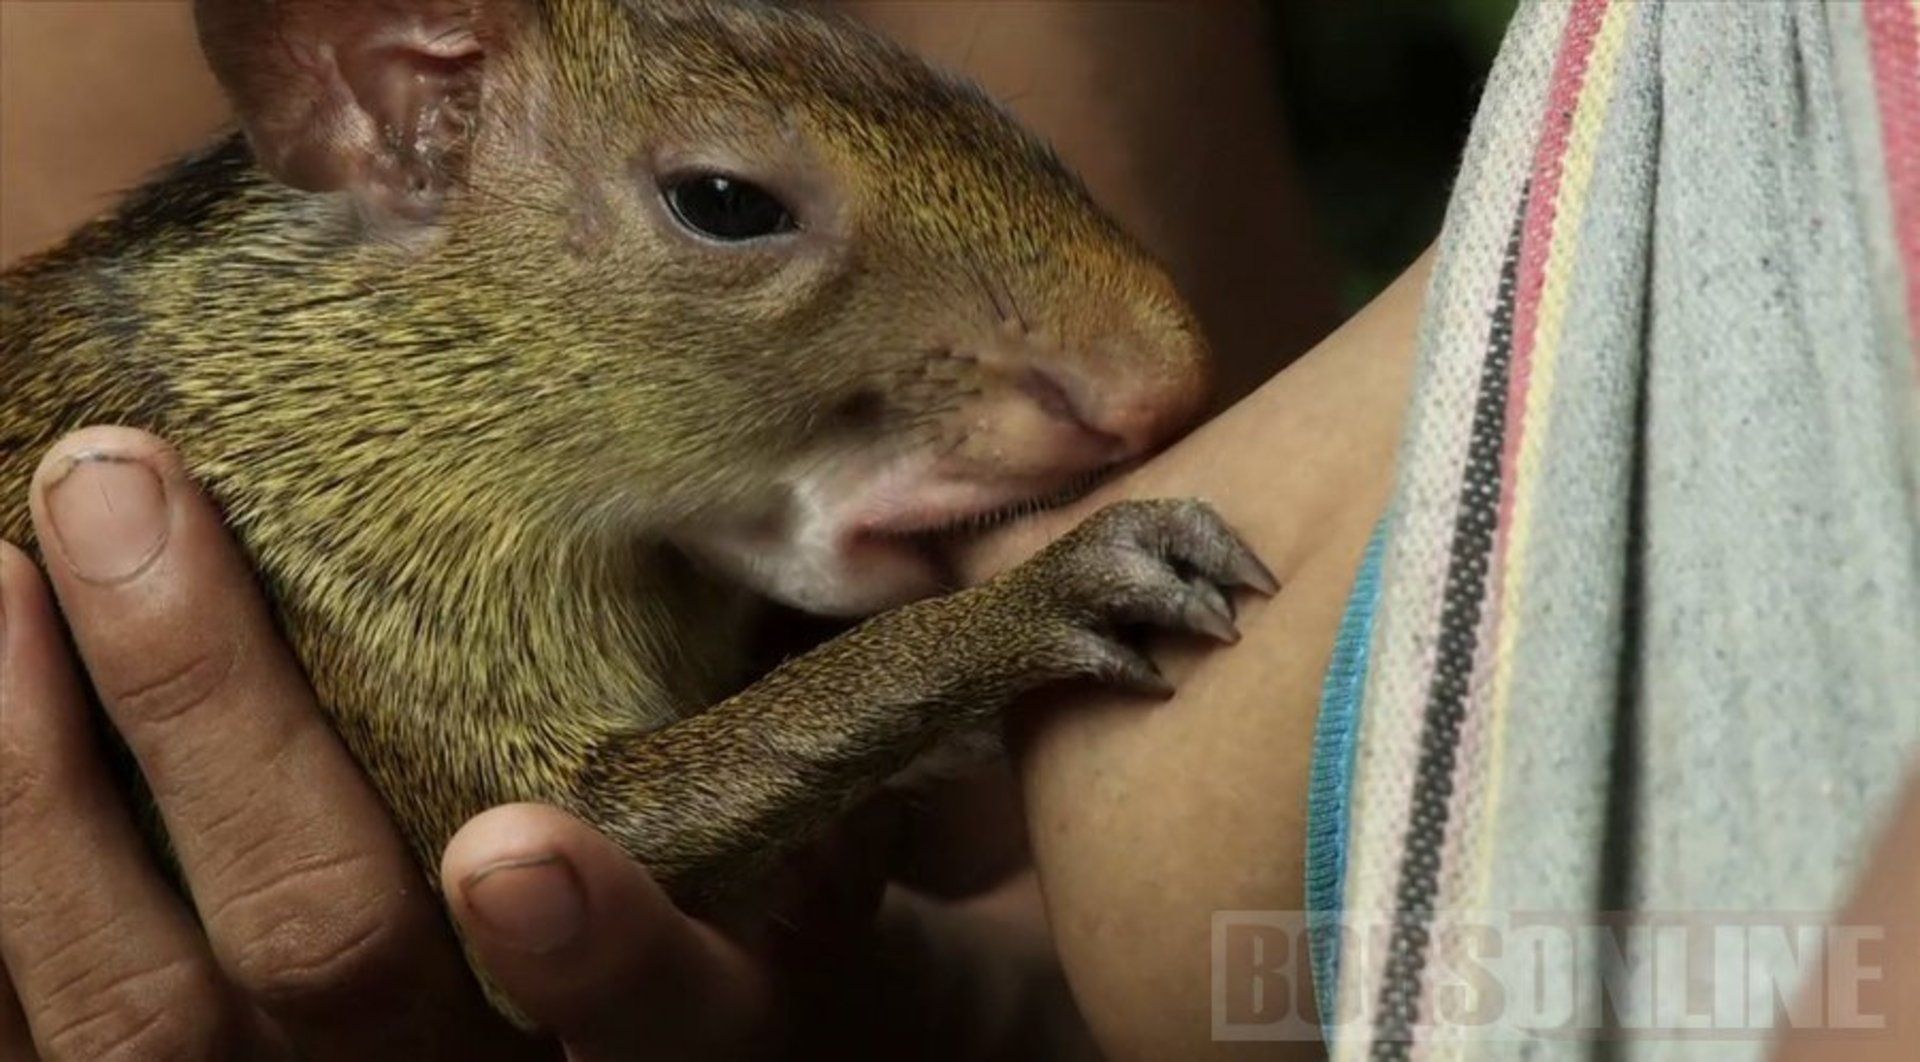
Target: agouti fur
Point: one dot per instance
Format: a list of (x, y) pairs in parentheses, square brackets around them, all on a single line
[(512, 449)]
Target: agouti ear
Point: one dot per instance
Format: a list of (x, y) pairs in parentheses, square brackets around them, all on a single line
[(373, 97)]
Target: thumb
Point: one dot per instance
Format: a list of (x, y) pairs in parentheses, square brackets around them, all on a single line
[(586, 944)]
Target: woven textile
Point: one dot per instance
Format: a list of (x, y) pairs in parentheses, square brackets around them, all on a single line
[(1647, 634)]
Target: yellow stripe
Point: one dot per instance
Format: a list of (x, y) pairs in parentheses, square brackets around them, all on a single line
[(1576, 175)]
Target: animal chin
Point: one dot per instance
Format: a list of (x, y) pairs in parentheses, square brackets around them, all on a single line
[(928, 522), (864, 540)]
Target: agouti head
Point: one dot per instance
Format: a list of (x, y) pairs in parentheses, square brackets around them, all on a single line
[(736, 276)]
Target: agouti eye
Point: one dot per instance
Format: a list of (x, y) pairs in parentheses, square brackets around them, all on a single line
[(725, 208)]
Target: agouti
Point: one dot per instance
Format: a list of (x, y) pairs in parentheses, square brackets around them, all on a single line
[(527, 343)]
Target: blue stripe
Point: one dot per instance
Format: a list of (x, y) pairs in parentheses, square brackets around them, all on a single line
[(1335, 737)]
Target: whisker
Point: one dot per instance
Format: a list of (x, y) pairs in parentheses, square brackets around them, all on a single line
[(1007, 290), (986, 288)]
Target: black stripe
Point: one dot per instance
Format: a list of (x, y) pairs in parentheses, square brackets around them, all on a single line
[(1467, 569)]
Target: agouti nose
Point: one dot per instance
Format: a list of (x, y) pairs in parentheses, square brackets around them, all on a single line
[(1132, 407), (1043, 411), (1033, 420), (1060, 404)]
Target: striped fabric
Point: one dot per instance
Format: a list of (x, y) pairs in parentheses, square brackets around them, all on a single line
[(1653, 567), (1894, 32)]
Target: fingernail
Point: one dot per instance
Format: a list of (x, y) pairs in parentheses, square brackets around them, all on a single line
[(110, 515), (532, 904)]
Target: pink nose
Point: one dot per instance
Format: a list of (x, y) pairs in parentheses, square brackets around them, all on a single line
[(1048, 410), (1060, 404), (1131, 414)]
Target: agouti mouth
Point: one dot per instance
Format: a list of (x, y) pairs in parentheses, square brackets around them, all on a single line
[(949, 527)]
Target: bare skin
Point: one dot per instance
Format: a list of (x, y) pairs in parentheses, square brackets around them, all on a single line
[(1213, 785), (1887, 971), (92, 98)]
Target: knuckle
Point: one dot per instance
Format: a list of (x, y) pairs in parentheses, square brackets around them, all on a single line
[(1139, 512), (1128, 577), (1076, 652), (1110, 519), (26, 762), (1153, 522), (1184, 509), (176, 1010), (1188, 514), (1198, 529), (22, 779), (177, 690), (315, 936)]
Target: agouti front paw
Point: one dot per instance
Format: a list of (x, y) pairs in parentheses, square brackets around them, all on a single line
[(1163, 564)]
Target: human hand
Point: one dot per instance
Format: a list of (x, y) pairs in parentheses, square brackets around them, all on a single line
[(315, 935)]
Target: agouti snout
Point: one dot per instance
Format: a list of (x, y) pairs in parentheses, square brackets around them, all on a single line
[(867, 300)]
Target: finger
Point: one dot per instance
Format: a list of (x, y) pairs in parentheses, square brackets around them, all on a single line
[(588, 946), (828, 891), (104, 956), (15, 1041), (309, 897)]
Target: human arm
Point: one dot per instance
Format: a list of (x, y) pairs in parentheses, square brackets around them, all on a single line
[(1878, 977), (1145, 821)]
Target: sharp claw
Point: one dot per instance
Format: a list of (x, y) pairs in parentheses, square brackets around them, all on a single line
[(1135, 673), (1154, 686), (1221, 602), (1249, 571), (1213, 620)]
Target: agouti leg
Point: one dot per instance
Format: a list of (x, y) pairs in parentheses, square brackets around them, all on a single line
[(707, 802)]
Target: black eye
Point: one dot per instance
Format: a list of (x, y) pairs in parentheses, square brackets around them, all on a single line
[(726, 208)]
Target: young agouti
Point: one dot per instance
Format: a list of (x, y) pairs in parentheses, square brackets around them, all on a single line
[(524, 342)]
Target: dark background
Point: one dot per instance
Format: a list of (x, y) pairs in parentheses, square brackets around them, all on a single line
[(1379, 95)]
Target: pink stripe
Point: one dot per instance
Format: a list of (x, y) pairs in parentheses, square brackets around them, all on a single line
[(1537, 230), (1543, 209), (1896, 68)]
